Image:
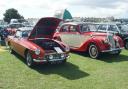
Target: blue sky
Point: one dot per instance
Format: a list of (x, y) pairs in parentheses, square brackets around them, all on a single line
[(78, 8)]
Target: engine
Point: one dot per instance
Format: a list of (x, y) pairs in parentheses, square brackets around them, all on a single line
[(48, 44)]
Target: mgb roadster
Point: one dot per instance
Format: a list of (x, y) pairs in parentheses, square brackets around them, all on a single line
[(37, 46)]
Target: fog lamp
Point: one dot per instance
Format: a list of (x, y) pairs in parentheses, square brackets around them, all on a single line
[(50, 56), (62, 55)]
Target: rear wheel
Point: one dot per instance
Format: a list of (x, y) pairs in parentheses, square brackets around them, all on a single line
[(93, 51), (29, 60)]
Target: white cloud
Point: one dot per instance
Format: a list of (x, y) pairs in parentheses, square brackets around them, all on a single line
[(84, 8)]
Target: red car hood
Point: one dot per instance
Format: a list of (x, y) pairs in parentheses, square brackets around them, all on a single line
[(45, 28)]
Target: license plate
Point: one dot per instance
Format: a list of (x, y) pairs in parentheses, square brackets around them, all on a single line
[(56, 60)]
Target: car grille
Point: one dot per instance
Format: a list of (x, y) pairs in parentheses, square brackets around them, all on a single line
[(111, 41), (55, 56)]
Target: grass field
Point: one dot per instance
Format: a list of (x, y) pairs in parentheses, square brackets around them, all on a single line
[(80, 72)]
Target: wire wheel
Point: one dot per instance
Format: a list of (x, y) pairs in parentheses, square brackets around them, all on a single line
[(29, 60)]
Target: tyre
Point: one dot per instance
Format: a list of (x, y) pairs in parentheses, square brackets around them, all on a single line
[(64, 61), (29, 60), (126, 45), (93, 51)]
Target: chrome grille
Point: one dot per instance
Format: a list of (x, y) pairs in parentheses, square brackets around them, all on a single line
[(111, 41), (55, 56)]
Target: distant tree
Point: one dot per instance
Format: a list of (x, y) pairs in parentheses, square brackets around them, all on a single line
[(12, 14)]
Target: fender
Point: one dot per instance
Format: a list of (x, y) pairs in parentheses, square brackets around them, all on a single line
[(97, 42)]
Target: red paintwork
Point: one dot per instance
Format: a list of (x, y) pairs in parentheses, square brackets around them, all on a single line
[(11, 31), (25, 44), (95, 37)]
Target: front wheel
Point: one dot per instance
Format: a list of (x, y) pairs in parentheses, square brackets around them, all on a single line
[(93, 51), (126, 45), (29, 60)]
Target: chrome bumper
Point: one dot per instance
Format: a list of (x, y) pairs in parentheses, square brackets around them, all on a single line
[(52, 60), (111, 50)]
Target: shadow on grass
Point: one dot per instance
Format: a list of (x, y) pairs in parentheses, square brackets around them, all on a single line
[(109, 58), (113, 58), (67, 70)]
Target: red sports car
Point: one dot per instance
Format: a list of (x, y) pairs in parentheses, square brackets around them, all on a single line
[(37, 45), (81, 36)]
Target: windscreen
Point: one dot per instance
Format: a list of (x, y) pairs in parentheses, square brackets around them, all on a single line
[(87, 27)]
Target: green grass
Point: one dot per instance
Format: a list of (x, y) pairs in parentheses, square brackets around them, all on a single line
[(80, 72)]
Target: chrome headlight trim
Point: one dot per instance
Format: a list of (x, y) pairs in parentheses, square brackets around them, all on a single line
[(51, 57)]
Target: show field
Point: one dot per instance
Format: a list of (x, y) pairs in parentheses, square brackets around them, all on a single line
[(80, 72)]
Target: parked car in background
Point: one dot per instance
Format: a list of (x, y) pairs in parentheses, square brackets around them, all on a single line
[(3, 32), (81, 36), (37, 45), (13, 27), (119, 29)]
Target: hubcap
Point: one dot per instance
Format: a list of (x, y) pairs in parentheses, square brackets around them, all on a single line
[(93, 51)]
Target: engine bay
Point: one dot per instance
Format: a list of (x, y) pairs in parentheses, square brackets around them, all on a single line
[(48, 45)]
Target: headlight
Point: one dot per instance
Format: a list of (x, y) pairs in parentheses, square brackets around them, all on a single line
[(106, 41), (37, 51)]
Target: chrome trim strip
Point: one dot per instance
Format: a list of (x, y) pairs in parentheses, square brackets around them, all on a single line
[(112, 49), (36, 60), (55, 60)]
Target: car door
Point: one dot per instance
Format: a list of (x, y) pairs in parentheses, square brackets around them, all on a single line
[(64, 34), (70, 35), (17, 42)]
